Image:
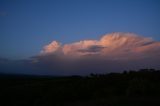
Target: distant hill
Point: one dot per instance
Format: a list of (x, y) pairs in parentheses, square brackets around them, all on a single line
[(130, 88)]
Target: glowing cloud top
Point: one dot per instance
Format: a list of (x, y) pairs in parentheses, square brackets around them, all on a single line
[(113, 52), (113, 46)]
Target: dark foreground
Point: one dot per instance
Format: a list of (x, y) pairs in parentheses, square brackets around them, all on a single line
[(131, 88)]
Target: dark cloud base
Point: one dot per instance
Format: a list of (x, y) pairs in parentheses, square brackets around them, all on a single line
[(54, 65)]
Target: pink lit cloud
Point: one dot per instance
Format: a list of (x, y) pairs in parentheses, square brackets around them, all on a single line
[(113, 46), (112, 52)]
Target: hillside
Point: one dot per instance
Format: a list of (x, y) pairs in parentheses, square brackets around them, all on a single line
[(130, 88)]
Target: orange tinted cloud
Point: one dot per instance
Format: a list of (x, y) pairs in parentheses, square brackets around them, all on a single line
[(113, 46), (51, 48)]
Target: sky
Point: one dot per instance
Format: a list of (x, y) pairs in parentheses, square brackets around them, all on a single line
[(27, 25), (36, 28)]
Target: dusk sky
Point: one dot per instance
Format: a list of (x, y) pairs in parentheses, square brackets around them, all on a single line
[(118, 30), (27, 25)]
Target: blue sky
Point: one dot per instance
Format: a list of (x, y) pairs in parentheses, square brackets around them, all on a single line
[(27, 25)]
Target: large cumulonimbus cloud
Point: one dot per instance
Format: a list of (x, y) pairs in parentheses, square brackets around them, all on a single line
[(110, 46), (112, 52)]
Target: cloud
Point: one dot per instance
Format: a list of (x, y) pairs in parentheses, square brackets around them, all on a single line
[(110, 46), (73, 49), (92, 49), (112, 52), (51, 48)]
